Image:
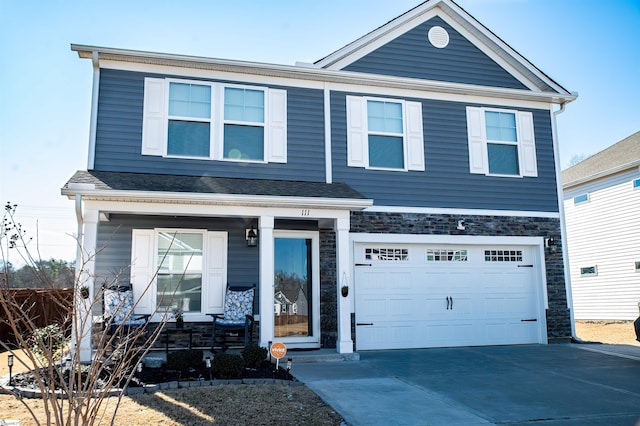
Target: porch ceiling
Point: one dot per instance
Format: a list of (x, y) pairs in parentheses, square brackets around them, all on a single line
[(127, 187)]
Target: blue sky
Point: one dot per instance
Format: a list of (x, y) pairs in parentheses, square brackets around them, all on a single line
[(587, 46)]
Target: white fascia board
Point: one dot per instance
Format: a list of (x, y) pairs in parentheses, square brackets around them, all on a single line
[(462, 212), (251, 72), (445, 239), (376, 38), (500, 44), (602, 174), (160, 208), (221, 199), (348, 81)]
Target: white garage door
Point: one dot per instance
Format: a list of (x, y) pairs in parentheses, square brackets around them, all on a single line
[(416, 296)]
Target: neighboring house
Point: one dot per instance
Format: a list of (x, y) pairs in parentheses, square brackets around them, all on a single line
[(602, 210), (415, 165)]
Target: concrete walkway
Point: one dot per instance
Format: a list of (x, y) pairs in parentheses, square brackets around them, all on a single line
[(586, 384)]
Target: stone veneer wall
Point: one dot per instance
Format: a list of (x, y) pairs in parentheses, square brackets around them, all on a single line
[(558, 316), (328, 290)]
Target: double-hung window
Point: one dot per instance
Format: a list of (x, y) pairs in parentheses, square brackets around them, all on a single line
[(243, 124), (384, 134), (501, 142), (189, 120), (183, 269), (200, 119)]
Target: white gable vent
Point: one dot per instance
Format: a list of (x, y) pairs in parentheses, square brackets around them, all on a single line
[(438, 37)]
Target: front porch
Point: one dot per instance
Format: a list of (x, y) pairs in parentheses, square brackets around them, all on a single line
[(127, 229)]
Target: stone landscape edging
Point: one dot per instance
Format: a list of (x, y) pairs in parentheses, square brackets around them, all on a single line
[(155, 387)]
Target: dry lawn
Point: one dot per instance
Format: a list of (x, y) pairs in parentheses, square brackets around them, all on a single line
[(218, 405), (252, 404), (260, 404), (612, 332)]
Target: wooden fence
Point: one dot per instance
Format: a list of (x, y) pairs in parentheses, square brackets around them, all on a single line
[(42, 306)]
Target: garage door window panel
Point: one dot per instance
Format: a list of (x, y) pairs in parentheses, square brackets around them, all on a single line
[(503, 255), (446, 255), (386, 254)]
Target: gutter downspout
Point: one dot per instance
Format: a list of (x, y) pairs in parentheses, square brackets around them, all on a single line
[(94, 109), (563, 224)]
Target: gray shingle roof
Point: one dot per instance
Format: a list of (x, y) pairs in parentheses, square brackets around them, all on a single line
[(624, 154), (121, 181)]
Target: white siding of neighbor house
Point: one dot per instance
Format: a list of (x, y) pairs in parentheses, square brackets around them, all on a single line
[(605, 232)]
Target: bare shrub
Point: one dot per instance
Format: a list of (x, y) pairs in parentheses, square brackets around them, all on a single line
[(73, 392)]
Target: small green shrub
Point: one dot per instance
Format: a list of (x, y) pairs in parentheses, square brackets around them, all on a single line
[(52, 337), (254, 355), (183, 360), (228, 366)]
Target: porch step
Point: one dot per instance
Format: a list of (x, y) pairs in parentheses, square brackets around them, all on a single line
[(319, 355), (316, 355)]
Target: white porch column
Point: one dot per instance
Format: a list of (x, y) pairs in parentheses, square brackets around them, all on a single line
[(85, 268), (265, 235), (343, 275)]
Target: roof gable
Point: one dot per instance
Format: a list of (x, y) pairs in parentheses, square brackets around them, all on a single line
[(621, 156), (412, 55), (464, 27)]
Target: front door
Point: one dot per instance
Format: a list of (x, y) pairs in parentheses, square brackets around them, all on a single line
[(296, 287)]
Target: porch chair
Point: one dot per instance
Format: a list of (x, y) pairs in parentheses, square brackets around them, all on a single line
[(118, 311), (237, 316)]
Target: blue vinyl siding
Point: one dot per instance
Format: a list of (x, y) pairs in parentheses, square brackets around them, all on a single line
[(114, 237), (447, 183), (412, 55), (119, 136)]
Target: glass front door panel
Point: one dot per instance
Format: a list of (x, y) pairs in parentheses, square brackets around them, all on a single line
[(292, 289)]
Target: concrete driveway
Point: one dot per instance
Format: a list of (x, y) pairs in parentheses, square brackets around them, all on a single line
[(534, 384)]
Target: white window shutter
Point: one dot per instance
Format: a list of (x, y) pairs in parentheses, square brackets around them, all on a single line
[(154, 118), (415, 137), (477, 144), (142, 270), (277, 126), (527, 142), (357, 155), (215, 275)]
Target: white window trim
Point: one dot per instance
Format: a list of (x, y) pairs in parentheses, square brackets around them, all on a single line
[(144, 269), (222, 122), (156, 121), (594, 274), (478, 149), (577, 202), (358, 134)]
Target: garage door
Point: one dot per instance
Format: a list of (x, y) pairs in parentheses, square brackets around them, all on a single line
[(416, 296)]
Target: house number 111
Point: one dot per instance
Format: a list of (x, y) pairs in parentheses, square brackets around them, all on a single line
[(305, 212)]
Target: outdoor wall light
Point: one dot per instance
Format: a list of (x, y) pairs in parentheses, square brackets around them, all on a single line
[(550, 243), (10, 364), (251, 236), (461, 225)]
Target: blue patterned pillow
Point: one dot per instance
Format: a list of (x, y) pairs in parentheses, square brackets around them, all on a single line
[(237, 304), (118, 305)]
